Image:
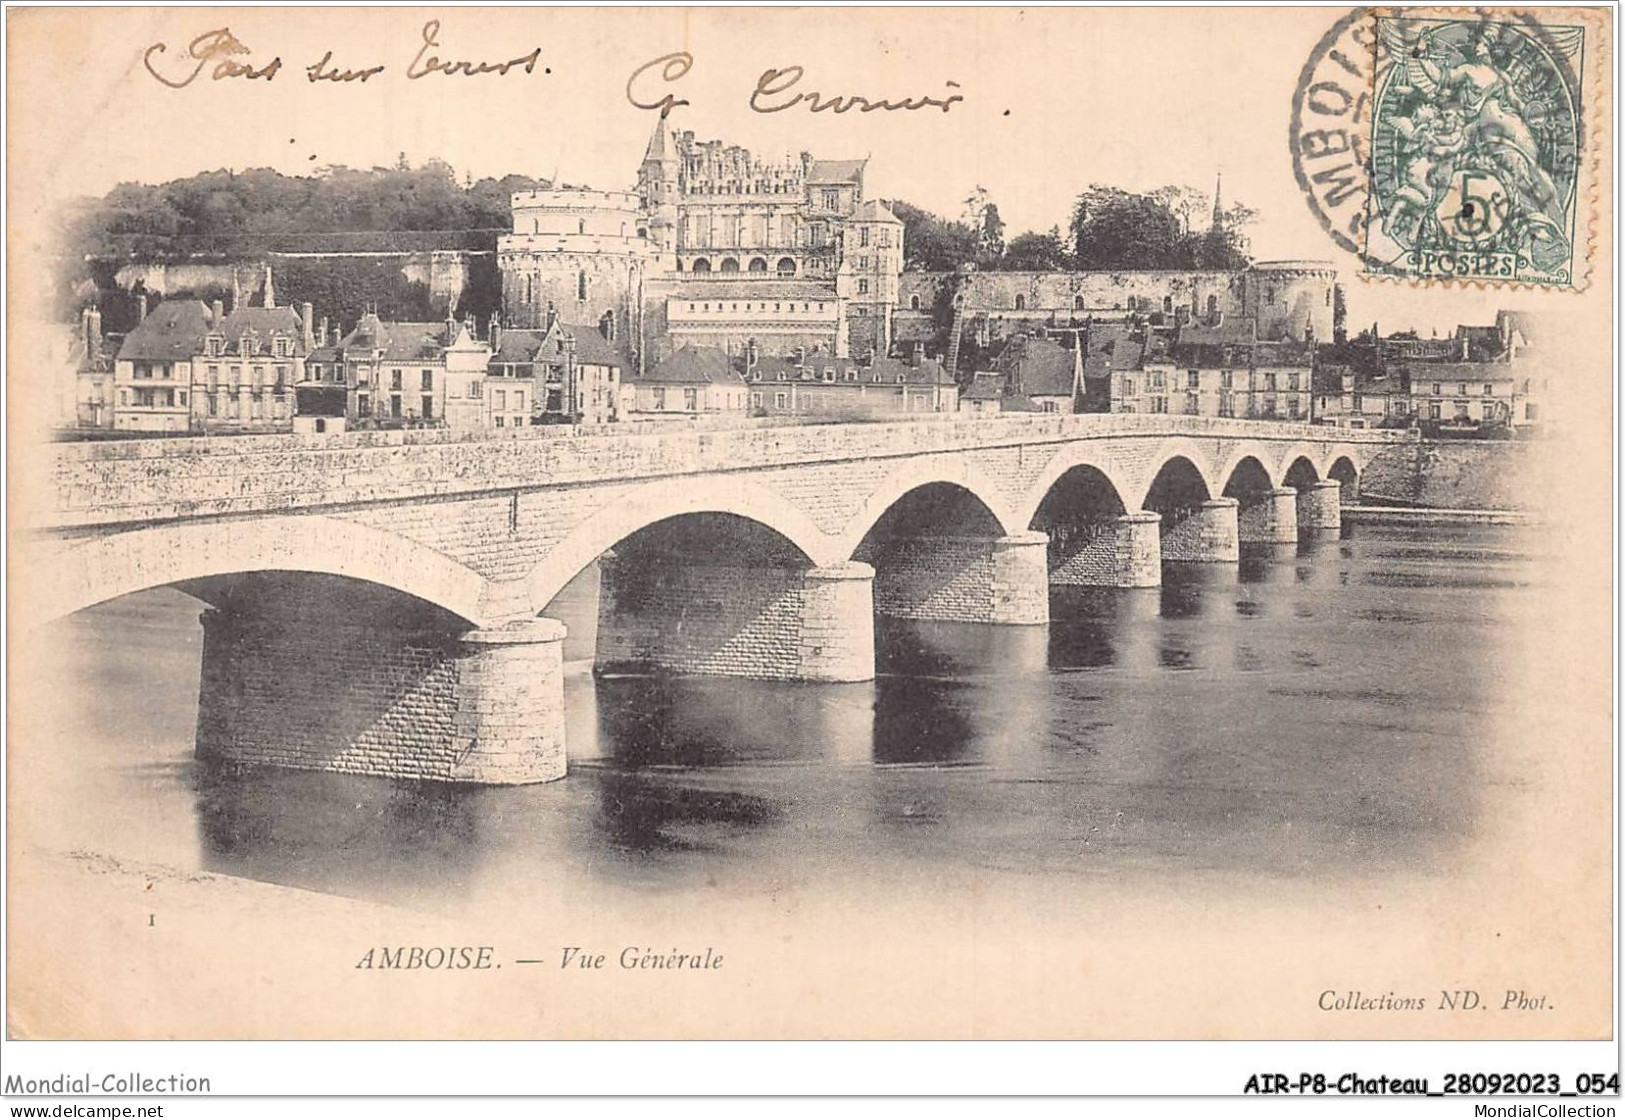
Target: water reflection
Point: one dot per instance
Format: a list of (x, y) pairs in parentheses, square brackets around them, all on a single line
[(1235, 718)]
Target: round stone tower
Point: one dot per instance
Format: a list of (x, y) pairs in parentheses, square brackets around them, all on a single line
[(1291, 299), (582, 252)]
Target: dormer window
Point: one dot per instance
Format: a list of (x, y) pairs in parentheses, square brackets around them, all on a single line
[(899, 379), (217, 345)]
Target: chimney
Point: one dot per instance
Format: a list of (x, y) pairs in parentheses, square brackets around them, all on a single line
[(141, 307), (916, 355), (552, 316), (270, 296), (307, 317), (93, 344), (236, 290), (801, 355), (496, 331), (217, 315), (750, 355), (321, 332)]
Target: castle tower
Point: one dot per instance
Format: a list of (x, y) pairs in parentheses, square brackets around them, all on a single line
[(658, 187)]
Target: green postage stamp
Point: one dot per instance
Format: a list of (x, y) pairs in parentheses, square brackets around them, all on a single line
[(1462, 139)]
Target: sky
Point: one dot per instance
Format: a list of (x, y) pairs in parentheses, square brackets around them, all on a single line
[(1053, 100)]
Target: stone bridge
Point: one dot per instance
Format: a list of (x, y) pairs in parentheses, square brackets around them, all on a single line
[(376, 600)]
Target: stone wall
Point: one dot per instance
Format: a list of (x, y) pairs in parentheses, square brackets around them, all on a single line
[(767, 623), (962, 579), (309, 695), (1459, 474), (1123, 552)]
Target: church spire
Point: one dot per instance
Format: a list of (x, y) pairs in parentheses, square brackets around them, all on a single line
[(1218, 201)]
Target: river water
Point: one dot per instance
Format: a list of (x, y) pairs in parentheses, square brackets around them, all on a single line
[(1320, 712)]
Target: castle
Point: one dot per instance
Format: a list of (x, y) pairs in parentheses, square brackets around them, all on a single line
[(717, 247)]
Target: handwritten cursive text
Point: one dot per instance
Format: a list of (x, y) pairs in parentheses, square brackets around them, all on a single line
[(217, 46)]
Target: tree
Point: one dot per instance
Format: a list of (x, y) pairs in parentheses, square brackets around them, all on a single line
[(1340, 315), (1112, 228), (990, 245), (934, 244), (1036, 252)]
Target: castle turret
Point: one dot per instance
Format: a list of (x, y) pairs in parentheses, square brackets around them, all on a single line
[(658, 187)]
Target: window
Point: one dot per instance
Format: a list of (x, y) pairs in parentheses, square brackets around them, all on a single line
[(499, 399), (427, 411), (395, 380), (426, 381), (1488, 389), (863, 287), (691, 400), (581, 285), (474, 390), (363, 405), (1158, 382), (1167, 305), (863, 236), (832, 199), (1269, 294), (1077, 303), (660, 399), (213, 405), (499, 421), (1461, 388), (259, 378), (1435, 389), (1461, 410), (282, 374), (778, 400), (395, 405), (214, 376), (1128, 386), (1159, 404), (913, 303), (1531, 412), (1021, 303), (236, 376), (1227, 380), (1193, 380), (1359, 403), (1433, 410), (756, 400)]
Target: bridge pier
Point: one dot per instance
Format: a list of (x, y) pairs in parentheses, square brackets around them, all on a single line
[(1003, 580), (1320, 505), (1270, 517), (484, 705), (769, 623), (1208, 534), (1123, 552)]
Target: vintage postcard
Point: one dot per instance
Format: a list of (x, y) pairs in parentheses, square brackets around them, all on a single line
[(974, 523)]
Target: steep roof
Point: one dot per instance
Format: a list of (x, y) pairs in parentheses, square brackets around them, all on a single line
[(593, 349), (172, 331), (836, 171), (930, 371), (518, 346), (875, 211), (1037, 367), (985, 387), (692, 365), (1110, 348), (398, 342), (660, 146)]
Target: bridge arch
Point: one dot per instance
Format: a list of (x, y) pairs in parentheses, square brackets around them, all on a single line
[(1194, 459), (1244, 457), (1299, 470), (1065, 462), (915, 475), (1246, 474), (660, 501), (1344, 468), (82, 575)]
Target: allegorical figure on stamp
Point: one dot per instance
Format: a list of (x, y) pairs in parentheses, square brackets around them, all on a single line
[(1480, 129)]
